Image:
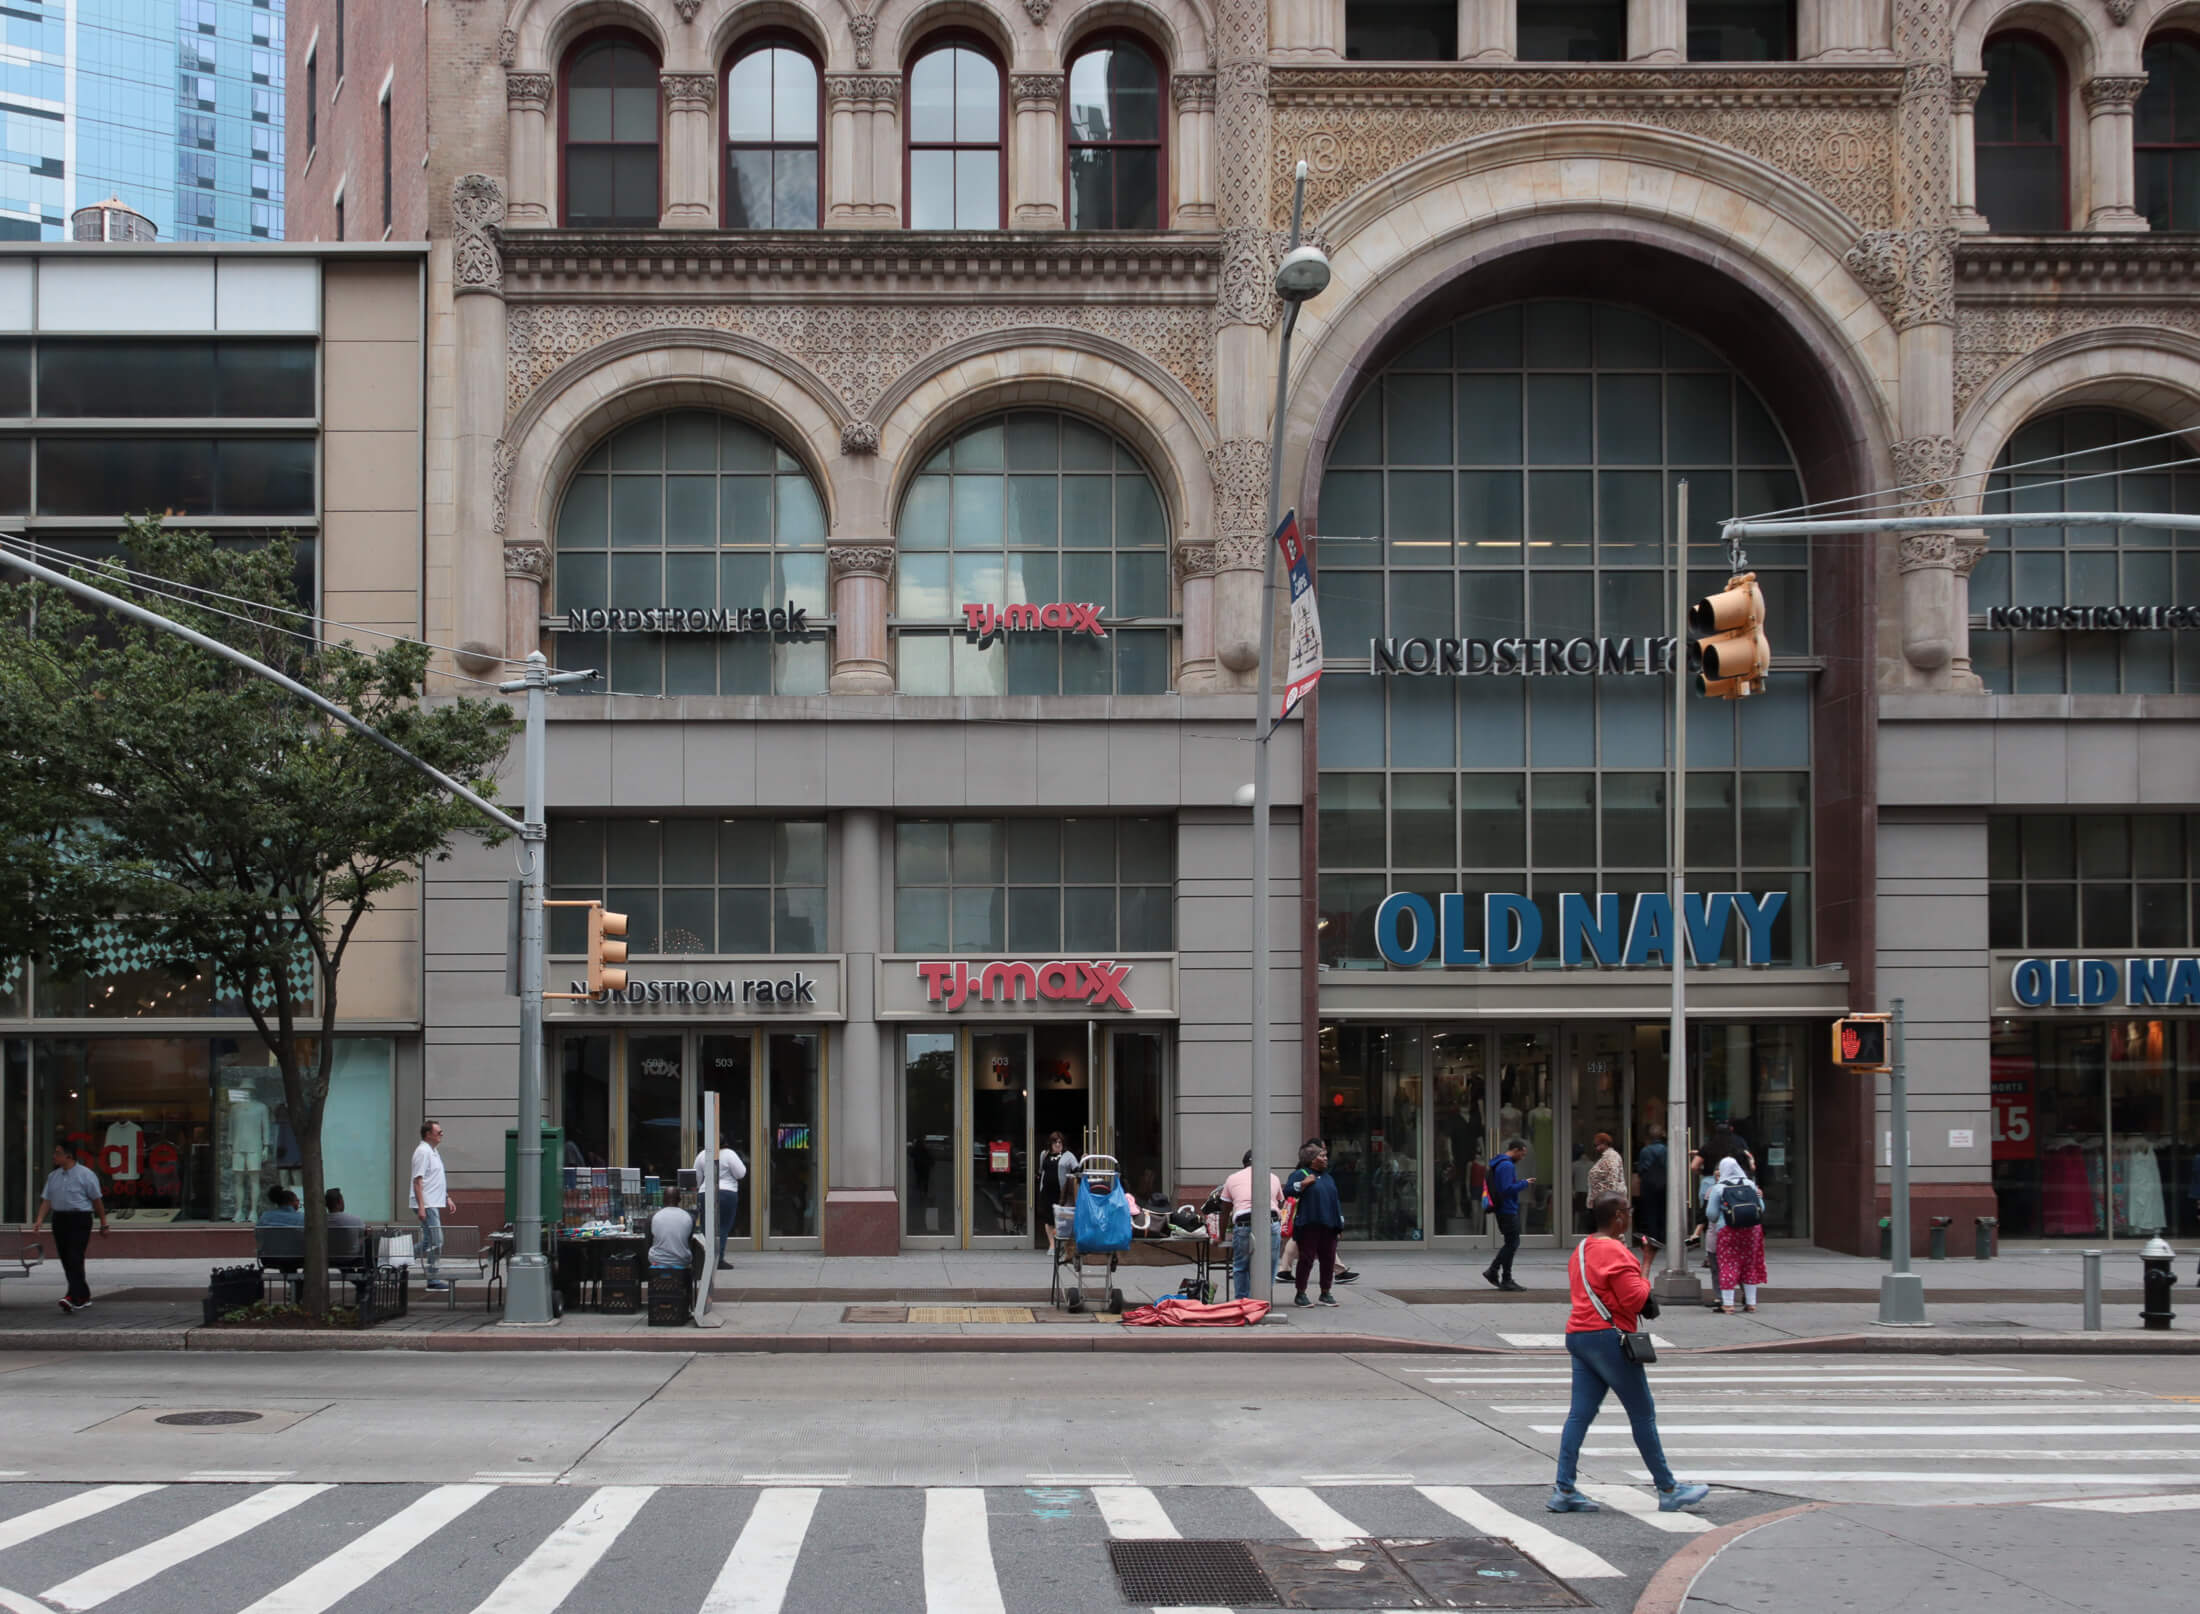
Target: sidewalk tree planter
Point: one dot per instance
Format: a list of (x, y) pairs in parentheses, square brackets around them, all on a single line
[(212, 821)]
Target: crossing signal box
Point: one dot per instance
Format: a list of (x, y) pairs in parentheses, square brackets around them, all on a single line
[(605, 949), (1860, 1042), (1735, 655)]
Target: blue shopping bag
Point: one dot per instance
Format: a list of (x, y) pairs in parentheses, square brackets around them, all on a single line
[(1103, 1220)]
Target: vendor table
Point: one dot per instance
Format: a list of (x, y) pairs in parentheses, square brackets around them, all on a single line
[(580, 1265)]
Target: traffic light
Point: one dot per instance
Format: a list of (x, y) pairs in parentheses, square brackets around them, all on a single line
[(1736, 655), (1860, 1042), (604, 951)]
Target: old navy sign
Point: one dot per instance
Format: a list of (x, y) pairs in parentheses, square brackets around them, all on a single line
[(1097, 983), (982, 624), (1519, 658), (788, 989), (1591, 929), (2093, 983)]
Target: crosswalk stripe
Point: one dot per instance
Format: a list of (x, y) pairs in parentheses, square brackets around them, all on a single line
[(547, 1576), (133, 1569), (1665, 1375), (1914, 1430), (350, 1567), (1134, 1513), (1691, 1402), (1898, 1476), (958, 1554), (1554, 1552), (1642, 1505), (754, 1579), (69, 1510), (1308, 1514), (1913, 1454), (2132, 1504)]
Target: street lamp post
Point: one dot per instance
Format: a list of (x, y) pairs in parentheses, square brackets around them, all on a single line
[(1303, 273)]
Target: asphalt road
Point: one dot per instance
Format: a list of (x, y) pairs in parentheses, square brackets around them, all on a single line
[(974, 1484)]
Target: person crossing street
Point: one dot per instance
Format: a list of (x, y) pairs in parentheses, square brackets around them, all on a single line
[(71, 1198), (1505, 1183)]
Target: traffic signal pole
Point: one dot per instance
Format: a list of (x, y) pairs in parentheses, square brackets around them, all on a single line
[(1678, 1283), (1901, 1291)]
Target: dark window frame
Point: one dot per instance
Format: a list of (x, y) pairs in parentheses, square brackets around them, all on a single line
[(339, 35), (589, 41), (313, 101), (947, 39), (2061, 143), (2013, 840), (1117, 39), (1792, 23), (387, 96), (741, 49), (2166, 37)]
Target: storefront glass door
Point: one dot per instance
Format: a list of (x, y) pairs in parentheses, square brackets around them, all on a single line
[(1600, 1063), (794, 1180), (20, 1166), (1138, 1110), (655, 1066), (928, 1196), (1525, 1110), (723, 1066), (1459, 1067), (1000, 1135)]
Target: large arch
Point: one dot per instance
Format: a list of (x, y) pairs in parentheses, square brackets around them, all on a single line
[(2087, 49), (2147, 370), (543, 29), (736, 22), (1182, 28), (902, 25)]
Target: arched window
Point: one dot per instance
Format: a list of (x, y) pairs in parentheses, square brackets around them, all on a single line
[(1118, 157), (611, 133), (2167, 135), (1032, 509), (1572, 30), (2089, 565), (957, 180), (700, 513), (2022, 183), (1741, 31), (772, 114), (1401, 30)]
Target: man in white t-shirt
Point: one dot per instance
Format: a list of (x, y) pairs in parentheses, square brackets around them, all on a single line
[(722, 1177), (430, 1196)]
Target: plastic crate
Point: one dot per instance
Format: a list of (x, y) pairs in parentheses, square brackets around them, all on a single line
[(668, 1299), (622, 1283)]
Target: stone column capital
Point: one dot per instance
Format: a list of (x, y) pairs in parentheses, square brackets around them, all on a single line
[(859, 89), (1193, 92), (2112, 95), (529, 561), (1963, 91), (1195, 561), (860, 560), (1036, 89), (1946, 551), (527, 92), (689, 92)]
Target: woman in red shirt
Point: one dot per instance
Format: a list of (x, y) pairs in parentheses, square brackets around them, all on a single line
[(1622, 1283)]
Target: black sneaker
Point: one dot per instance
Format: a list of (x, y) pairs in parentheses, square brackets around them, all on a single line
[(1326, 1299), (1347, 1275), (68, 1306), (1513, 1288), (1300, 1299), (1491, 1279)]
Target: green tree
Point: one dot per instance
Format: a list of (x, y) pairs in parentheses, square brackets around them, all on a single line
[(217, 821)]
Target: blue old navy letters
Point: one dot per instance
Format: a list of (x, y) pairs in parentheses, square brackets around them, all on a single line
[(2092, 983), (1408, 932)]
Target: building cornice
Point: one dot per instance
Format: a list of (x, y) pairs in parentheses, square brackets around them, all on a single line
[(1590, 85), (2060, 266)]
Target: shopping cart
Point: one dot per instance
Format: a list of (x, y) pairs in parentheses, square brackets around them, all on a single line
[(1074, 1268)]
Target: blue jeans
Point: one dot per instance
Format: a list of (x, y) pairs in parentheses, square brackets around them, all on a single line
[(729, 1201), (1598, 1367), (1241, 1254), (431, 1241)]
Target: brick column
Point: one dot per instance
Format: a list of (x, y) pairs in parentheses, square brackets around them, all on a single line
[(691, 150)]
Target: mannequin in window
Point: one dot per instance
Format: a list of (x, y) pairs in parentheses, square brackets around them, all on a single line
[(251, 1135)]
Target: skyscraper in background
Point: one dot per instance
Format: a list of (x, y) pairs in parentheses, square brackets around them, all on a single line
[(175, 106)]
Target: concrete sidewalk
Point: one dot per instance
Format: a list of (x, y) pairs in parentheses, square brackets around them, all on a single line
[(1405, 1299)]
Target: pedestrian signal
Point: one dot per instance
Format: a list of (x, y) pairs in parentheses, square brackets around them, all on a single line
[(1735, 656), (1860, 1042)]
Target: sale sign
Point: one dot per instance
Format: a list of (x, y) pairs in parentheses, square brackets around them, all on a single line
[(2016, 1128)]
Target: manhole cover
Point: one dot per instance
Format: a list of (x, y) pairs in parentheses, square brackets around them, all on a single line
[(1191, 1574), (1480, 1572), (1359, 1575), (204, 1420)]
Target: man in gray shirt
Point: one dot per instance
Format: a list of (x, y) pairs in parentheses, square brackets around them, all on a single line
[(670, 1232), (72, 1197)]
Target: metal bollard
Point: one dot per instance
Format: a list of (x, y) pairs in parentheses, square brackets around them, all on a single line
[(1984, 1227), (2156, 1258), (1886, 1239), (1939, 1247), (2092, 1259)]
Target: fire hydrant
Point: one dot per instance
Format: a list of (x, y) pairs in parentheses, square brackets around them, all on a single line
[(2157, 1258)]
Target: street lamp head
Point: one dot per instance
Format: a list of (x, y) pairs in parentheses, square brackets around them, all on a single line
[(1304, 273)]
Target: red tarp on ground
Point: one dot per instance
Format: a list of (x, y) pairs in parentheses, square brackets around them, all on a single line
[(1176, 1312)]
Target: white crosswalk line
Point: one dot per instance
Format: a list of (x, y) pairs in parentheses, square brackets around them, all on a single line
[(1134, 1513), (754, 1580), (1554, 1552), (1673, 1375), (1912, 1430), (2132, 1504), (1898, 1476), (1557, 1342), (350, 1567), (1915, 1454), (1308, 1514), (958, 1554), (133, 1569), (1643, 1505), (547, 1576), (69, 1510)]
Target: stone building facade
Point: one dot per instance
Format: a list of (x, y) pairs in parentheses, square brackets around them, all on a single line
[(1810, 252)]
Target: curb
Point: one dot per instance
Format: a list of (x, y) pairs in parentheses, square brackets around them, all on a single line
[(1676, 1578), (1908, 1342)]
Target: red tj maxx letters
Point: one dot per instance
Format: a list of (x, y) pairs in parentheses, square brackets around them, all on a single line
[(984, 622), (1096, 982)]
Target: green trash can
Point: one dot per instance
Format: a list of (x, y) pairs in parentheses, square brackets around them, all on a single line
[(553, 1174)]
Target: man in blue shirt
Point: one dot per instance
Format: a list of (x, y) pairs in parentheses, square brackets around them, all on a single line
[(283, 1209), (72, 1198), (1504, 1190)]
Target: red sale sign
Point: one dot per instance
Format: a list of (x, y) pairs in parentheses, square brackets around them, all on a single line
[(2016, 1135)]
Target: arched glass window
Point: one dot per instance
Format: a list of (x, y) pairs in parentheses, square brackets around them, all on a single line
[(1572, 30), (1511, 477), (1032, 509), (2089, 565), (1741, 30), (700, 513), (2022, 185), (1118, 155), (611, 133), (1401, 31), (2167, 135), (772, 115), (956, 176)]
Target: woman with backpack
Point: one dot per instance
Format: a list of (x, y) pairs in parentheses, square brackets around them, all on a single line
[(1738, 1212)]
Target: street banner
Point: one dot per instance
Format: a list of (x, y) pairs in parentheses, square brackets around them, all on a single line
[(1305, 668)]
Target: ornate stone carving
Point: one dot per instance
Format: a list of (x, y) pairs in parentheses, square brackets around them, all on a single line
[(1193, 91), (1194, 560), (477, 211), (1956, 552), (857, 348), (1922, 467), (859, 437), (507, 47), (859, 560), (1833, 129), (863, 28), (2119, 11), (849, 89), (530, 561), (1963, 91), (1037, 11), (687, 8), (1247, 295), (527, 91), (1909, 273), (1239, 468), (500, 484), (1036, 89), (2109, 93), (689, 92)]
